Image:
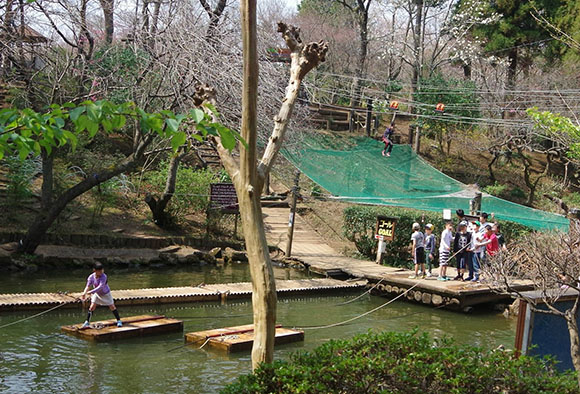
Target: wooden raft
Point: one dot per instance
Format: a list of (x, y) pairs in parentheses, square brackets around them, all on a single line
[(240, 338), (133, 326)]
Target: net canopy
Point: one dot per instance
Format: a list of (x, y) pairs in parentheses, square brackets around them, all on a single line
[(353, 169)]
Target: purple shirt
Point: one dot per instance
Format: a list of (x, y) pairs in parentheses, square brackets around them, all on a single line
[(99, 284)]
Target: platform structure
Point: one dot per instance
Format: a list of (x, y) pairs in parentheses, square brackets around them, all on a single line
[(134, 326), (239, 338), (311, 249), (185, 294)]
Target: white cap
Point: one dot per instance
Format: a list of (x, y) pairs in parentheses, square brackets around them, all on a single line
[(416, 226)]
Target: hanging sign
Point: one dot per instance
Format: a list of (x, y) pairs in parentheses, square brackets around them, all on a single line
[(223, 197), (394, 105), (440, 107)]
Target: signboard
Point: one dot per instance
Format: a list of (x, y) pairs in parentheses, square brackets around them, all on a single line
[(223, 196), (385, 228)]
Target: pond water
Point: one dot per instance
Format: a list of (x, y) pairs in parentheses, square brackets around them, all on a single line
[(55, 280), (36, 357)]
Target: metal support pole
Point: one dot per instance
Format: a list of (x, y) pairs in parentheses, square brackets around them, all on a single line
[(369, 120), (380, 250), (292, 217)]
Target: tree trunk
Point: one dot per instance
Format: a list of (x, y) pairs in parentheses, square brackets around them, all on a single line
[(108, 7), (160, 217), (417, 40), (249, 190), (512, 68), (363, 18), (45, 218), (47, 180), (572, 322)]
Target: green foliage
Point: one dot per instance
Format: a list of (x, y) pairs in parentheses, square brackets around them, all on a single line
[(360, 222), (27, 131), (391, 362), (191, 188), (117, 66), (497, 189), (19, 177), (460, 101), (517, 27), (107, 195), (558, 127)]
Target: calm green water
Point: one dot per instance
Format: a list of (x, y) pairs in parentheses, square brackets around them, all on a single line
[(35, 357), (133, 278)]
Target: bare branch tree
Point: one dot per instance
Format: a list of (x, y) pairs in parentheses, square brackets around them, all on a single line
[(551, 261)]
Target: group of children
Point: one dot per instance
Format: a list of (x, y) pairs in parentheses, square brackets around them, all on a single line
[(472, 242)]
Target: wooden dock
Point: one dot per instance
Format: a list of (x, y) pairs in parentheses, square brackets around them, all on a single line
[(170, 295), (312, 250), (240, 338), (134, 326)]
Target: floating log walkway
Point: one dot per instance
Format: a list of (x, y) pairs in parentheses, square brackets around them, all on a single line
[(309, 248), (134, 326), (170, 295), (240, 338)]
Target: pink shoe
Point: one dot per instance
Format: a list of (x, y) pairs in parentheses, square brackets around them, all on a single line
[(383, 153), (388, 154)]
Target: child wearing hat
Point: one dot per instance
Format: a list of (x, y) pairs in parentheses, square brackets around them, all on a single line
[(429, 248)]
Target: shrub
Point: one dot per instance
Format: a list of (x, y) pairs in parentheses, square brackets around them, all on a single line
[(497, 189), (360, 222), (191, 189), (19, 178), (405, 363)]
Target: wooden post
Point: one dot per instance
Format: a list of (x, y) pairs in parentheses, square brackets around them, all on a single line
[(417, 139), (292, 218), (411, 135), (351, 121), (377, 122), (369, 117), (380, 250)]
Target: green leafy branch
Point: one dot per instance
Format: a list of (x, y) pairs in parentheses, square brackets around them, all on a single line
[(26, 131)]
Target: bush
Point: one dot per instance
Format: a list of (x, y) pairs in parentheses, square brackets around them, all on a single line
[(497, 189), (405, 363), (19, 178), (191, 189), (360, 222)]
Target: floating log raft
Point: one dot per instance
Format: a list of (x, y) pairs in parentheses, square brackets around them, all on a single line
[(134, 326), (240, 338)]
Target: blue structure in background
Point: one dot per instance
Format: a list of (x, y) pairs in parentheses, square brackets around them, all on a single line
[(540, 334)]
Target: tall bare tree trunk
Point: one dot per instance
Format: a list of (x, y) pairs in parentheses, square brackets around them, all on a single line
[(108, 7), (249, 178), (249, 191)]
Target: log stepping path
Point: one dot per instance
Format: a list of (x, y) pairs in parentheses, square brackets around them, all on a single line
[(311, 249), (170, 295)]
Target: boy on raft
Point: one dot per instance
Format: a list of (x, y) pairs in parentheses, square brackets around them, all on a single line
[(100, 294), (388, 140)]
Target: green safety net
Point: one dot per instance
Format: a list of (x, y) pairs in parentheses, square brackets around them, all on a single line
[(353, 169)]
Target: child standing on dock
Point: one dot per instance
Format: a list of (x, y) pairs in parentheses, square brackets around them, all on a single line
[(100, 294), (429, 248), (418, 239), (461, 248), (445, 249)]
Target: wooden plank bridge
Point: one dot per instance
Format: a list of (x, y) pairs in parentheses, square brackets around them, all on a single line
[(170, 295), (309, 248)]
